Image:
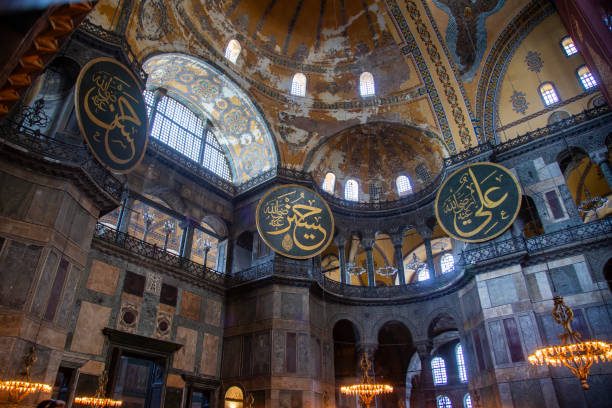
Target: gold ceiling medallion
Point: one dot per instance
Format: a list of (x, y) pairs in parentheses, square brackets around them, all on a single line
[(478, 202), (112, 114), (367, 389), (294, 221), (576, 355)]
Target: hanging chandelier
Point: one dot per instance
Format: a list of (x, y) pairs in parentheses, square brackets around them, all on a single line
[(367, 389), (355, 269), (386, 270), (19, 389), (99, 400), (576, 355)]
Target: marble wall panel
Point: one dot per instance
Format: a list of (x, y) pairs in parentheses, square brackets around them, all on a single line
[(210, 354), (291, 353), (184, 358), (291, 306), (527, 394), (14, 193), (528, 330), (67, 305), (498, 342), (230, 365), (303, 355), (278, 352), (103, 277), (190, 305), (471, 303), (290, 399), (261, 358), (129, 313), (264, 306), (88, 337), (56, 289), (45, 205), (17, 272), (599, 318), (44, 284), (247, 356), (565, 280), (502, 290), (213, 311)]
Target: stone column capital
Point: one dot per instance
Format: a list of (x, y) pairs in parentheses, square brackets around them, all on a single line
[(367, 243), (340, 240), (424, 347), (397, 239)]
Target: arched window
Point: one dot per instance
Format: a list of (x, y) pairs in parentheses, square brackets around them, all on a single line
[(233, 51), (423, 274), (461, 363), (403, 185), (444, 402), (586, 77), (329, 183), (298, 85), (181, 129), (568, 46), (366, 84), (351, 190), (467, 401), (438, 369), (549, 94), (447, 263)]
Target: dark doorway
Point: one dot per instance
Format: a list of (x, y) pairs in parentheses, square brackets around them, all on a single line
[(138, 379)]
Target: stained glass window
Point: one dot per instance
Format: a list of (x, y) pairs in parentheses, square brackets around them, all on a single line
[(298, 85), (233, 51), (351, 190), (366, 84), (438, 368)]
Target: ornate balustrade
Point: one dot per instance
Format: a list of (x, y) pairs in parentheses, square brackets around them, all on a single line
[(136, 246), (517, 246), (53, 150)]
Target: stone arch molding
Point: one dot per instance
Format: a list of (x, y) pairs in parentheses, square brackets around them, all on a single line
[(333, 320), (241, 129), (400, 317)]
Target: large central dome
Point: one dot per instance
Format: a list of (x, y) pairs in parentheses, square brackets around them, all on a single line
[(310, 31)]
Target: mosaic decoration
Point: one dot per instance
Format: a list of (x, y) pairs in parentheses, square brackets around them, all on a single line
[(466, 34), (294, 221), (478, 202), (111, 114), (152, 20), (534, 61), (519, 102), (449, 90), (242, 131)]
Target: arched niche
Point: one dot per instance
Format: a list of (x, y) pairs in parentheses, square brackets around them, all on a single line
[(346, 359)]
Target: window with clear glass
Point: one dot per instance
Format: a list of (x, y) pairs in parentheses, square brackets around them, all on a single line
[(447, 263), (149, 98), (438, 369), (586, 77), (549, 94), (298, 85), (178, 127), (423, 274), (568, 46), (444, 402), (366, 84), (403, 185), (461, 363), (329, 182), (351, 191), (467, 401), (233, 51)]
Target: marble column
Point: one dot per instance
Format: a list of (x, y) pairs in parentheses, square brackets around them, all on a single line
[(604, 165), (125, 214), (397, 240), (342, 262), (368, 244), (430, 263), (426, 397), (187, 239)]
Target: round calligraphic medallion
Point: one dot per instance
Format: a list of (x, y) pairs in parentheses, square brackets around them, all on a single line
[(294, 221), (112, 114), (478, 202)]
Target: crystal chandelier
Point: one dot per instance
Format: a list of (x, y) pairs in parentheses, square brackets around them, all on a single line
[(355, 269), (367, 389), (386, 270), (576, 355), (99, 400), (19, 389)]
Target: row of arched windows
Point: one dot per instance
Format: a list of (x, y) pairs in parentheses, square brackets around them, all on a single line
[(351, 187), (438, 367), (444, 402), (447, 264), (549, 93), (298, 84)]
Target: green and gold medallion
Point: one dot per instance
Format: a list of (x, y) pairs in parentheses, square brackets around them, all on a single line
[(112, 114), (294, 221), (478, 202)]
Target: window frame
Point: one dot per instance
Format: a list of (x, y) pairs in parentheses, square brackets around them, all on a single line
[(297, 86), (563, 46), (465, 399), (554, 90), (419, 274), (590, 73), (332, 184), (406, 192), (442, 371), (356, 199), (365, 85), (447, 403), (461, 366), (228, 51), (446, 254)]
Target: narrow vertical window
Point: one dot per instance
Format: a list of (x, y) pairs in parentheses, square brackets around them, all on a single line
[(366, 84), (403, 185), (568, 46), (586, 77), (438, 369), (423, 274), (467, 401), (447, 263), (351, 191), (298, 85), (233, 51), (444, 402), (461, 363), (549, 94), (329, 183)]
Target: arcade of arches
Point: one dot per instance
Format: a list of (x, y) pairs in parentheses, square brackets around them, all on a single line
[(159, 277)]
